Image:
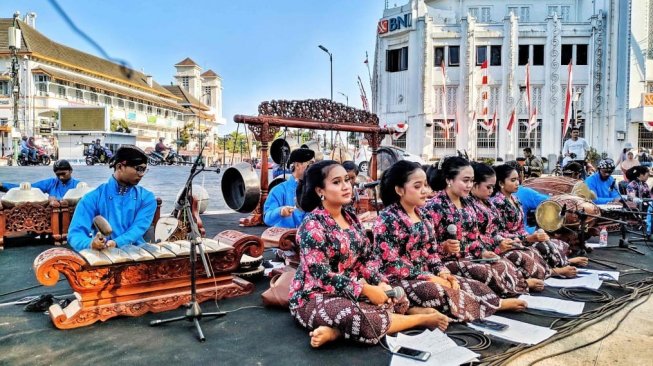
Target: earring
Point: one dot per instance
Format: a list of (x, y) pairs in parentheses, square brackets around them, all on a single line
[(449, 185), (322, 197)]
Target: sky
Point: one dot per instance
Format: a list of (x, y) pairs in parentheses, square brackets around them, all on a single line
[(263, 50)]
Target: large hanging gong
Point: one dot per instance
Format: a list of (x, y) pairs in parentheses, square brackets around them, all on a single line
[(281, 148), (315, 146), (241, 187), (385, 158)]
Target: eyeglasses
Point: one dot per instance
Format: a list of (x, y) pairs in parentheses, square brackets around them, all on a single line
[(140, 169)]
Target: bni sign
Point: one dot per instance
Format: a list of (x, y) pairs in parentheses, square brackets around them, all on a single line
[(396, 23)]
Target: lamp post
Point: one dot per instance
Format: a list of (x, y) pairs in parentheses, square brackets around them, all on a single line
[(331, 73), (14, 42), (346, 97), (574, 106)]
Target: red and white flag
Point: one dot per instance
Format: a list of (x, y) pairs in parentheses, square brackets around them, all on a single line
[(484, 92), (493, 124), (445, 120), (484, 72), (648, 126), (565, 124), (456, 124), (532, 123), (511, 121)]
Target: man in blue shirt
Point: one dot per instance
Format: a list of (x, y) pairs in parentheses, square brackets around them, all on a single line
[(529, 199), (280, 209), (128, 208), (603, 184), (55, 186)]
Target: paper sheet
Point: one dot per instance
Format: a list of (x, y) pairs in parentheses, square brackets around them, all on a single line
[(444, 351), (607, 274), (518, 332), (555, 305), (590, 281)]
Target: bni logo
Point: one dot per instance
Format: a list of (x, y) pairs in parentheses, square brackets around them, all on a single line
[(396, 23)]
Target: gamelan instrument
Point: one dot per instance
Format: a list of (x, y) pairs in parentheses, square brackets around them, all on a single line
[(555, 185), (132, 281), (241, 187), (565, 225)]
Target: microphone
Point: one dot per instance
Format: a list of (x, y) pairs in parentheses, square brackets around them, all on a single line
[(395, 293), (368, 185), (452, 232)]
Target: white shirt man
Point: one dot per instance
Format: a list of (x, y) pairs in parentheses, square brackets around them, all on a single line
[(575, 145)]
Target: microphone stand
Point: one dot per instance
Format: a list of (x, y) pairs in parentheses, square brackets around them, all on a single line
[(194, 311), (623, 241)]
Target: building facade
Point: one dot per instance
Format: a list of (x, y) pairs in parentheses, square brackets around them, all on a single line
[(50, 76), (416, 40)]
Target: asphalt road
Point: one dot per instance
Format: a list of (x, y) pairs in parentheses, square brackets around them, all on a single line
[(164, 181)]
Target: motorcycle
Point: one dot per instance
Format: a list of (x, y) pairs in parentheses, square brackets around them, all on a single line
[(155, 158), (102, 157), (42, 158)]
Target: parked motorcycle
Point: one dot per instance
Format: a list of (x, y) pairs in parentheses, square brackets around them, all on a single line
[(155, 158), (42, 158), (98, 157)]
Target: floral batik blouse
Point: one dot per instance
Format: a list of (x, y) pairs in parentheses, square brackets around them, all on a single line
[(443, 212), (332, 259), (489, 222), (638, 189), (406, 250), (512, 217)]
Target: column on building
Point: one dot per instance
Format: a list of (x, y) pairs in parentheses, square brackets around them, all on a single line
[(551, 113), (467, 48), (415, 117), (596, 89), (509, 89)]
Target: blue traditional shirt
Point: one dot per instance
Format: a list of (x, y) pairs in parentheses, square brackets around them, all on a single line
[(51, 186), (529, 199), (606, 191), (129, 211), (282, 195)]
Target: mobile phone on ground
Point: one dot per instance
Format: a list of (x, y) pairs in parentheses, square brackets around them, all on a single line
[(484, 323), (411, 353)]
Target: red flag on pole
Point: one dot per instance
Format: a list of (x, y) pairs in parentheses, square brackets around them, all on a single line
[(445, 120), (565, 124), (484, 72), (511, 121)]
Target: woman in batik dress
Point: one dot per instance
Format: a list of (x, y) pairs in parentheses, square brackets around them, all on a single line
[(404, 242), (555, 252), (452, 207), (527, 260), (336, 269)]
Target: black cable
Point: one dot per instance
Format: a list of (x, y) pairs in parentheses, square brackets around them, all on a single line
[(124, 65), (483, 342), (25, 289), (585, 294)]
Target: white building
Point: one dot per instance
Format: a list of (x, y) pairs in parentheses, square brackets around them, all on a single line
[(52, 76), (415, 38)]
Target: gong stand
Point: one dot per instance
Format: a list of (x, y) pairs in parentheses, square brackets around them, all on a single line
[(321, 114)]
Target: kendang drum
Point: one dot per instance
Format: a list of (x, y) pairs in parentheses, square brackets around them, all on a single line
[(241, 187), (560, 185), (549, 218)]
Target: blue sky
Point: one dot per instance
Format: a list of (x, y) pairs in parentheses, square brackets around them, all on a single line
[(262, 49)]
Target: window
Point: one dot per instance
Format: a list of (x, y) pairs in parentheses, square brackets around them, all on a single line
[(454, 55), (522, 58), (400, 142), (534, 140), (185, 82), (93, 97), (4, 121), (581, 54), (481, 15), (4, 87), (149, 109), (140, 107), (564, 12), (481, 55), (439, 56), (207, 95), (439, 142), (131, 106), (513, 10), (107, 100), (538, 54), (645, 138), (61, 91), (79, 95), (524, 14), (483, 141), (121, 103), (566, 54), (397, 60), (495, 55)]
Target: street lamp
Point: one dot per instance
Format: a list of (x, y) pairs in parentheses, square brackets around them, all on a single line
[(574, 106), (331, 68), (346, 97)]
